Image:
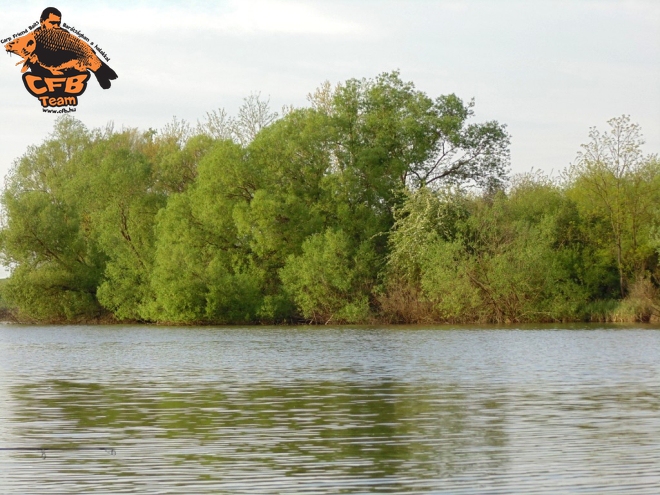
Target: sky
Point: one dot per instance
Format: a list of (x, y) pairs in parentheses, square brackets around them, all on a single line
[(549, 70)]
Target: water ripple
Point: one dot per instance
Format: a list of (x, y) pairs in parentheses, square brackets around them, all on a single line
[(259, 410)]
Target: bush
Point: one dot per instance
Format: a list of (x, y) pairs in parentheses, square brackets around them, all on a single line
[(330, 281)]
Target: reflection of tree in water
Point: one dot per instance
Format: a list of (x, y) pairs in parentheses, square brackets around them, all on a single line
[(385, 429)]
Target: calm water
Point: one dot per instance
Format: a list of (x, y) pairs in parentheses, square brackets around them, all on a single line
[(318, 410)]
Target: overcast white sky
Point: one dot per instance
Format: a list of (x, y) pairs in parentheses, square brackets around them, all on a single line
[(548, 69)]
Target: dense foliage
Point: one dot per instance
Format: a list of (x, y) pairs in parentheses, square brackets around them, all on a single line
[(376, 202)]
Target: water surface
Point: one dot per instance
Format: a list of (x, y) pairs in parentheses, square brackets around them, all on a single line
[(330, 410)]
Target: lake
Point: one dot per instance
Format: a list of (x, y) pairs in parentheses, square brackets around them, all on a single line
[(545, 409)]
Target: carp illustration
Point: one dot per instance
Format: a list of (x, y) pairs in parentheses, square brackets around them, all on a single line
[(57, 50)]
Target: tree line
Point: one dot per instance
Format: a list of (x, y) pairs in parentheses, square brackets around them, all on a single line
[(374, 203)]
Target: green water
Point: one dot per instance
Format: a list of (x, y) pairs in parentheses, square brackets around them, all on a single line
[(330, 410)]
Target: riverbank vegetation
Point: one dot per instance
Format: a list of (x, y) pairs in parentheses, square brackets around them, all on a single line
[(375, 203)]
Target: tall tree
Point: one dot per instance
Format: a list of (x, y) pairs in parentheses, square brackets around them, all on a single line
[(389, 128), (612, 177), (47, 236)]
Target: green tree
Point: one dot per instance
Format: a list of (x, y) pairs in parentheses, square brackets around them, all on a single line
[(47, 238), (201, 265), (121, 203), (392, 133), (612, 179), (500, 258), (284, 198)]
